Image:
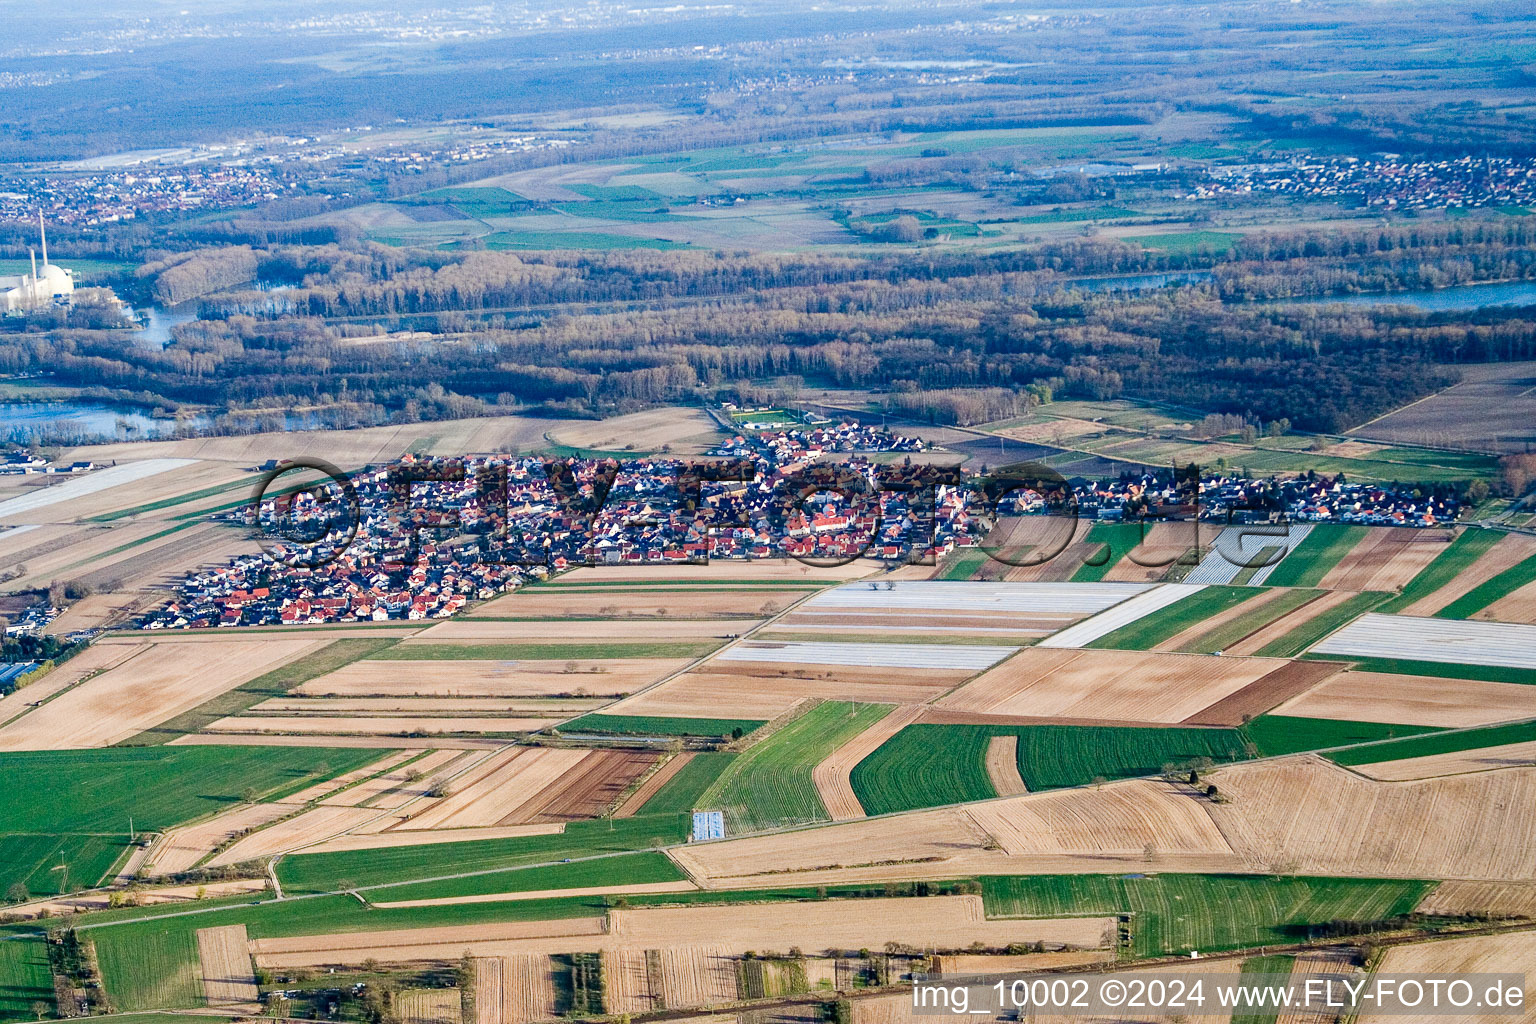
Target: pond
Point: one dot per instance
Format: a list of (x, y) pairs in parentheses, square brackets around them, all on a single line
[(19, 421), (1461, 296)]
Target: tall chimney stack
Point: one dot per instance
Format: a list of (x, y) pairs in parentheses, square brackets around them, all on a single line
[(42, 230)]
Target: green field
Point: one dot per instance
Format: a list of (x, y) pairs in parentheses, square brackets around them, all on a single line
[(547, 652), (963, 564), (1319, 551), (25, 978), (1485, 594), (1441, 743), (625, 869), (1150, 630), (770, 783), (1224, 636), (1283, 734), (99, 790), (1445, 670), (34, 860), (1178, 913), (645, 725), (158, 970), (574, 240), (681, 793), (1120, 538), (1468, 546), (929, 765), (1181, 242), (326, 872), (1279, 965), (275, 683), (1314, 629)]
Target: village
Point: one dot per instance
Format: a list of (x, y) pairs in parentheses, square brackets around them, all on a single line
[(393, 568)]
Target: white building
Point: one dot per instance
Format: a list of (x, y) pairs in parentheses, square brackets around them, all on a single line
[(39, 288)]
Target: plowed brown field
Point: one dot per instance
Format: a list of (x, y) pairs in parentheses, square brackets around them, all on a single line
[(1483, 759), (531, 678), (228, 980), (1496, 899), (297, 832), (1386, 558), (1323, 819), (1264, 693), (832, 776), (1110, 685), (764, 690), (1413, 700), (181, 848), (1512, 953), (1510, 550), (148, 688), (1003, 766), (649, 788), (1165, 543), (1519, 606)]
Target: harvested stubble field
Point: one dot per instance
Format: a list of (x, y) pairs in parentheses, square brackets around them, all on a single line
[(1495, 899), (227, 979), (96, 658), (342, 447), (1507, 551), (1413, 700), (532, 678), (1122, 819), (576, 630), (180, 849), (378, 726), (1387, 558), (529, 786), (1003, 766), (1509, 953), (760, 690), (640, 602), (149, 687), (1455, 762), (1121, 686), (1310, 813), (1519, 606), (935, 921), (425, 706), (304, 829), (430, 1006), (1157, 552), (831, 776), (689, 431), (515, 989)]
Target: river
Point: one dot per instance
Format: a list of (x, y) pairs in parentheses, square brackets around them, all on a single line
[(1461, 296)]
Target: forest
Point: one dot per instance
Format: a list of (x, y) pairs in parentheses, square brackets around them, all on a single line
[(581, 333)]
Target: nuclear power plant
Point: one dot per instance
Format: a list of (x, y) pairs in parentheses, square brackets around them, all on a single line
[(44, 286)]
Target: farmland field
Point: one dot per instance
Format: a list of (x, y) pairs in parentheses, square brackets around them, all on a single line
[(1151, 630), (681, 793), (33, 861), (1246, 622), (625, 869), (648, 725), (321, 872), (1438, 743), (1469, 546), (1319, 552), (1313, 628), (1283, 734), (1115, 539), (1481, 597), (157, 970), (771, 782), (25, 978), (1178, 913), (931, 765)]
